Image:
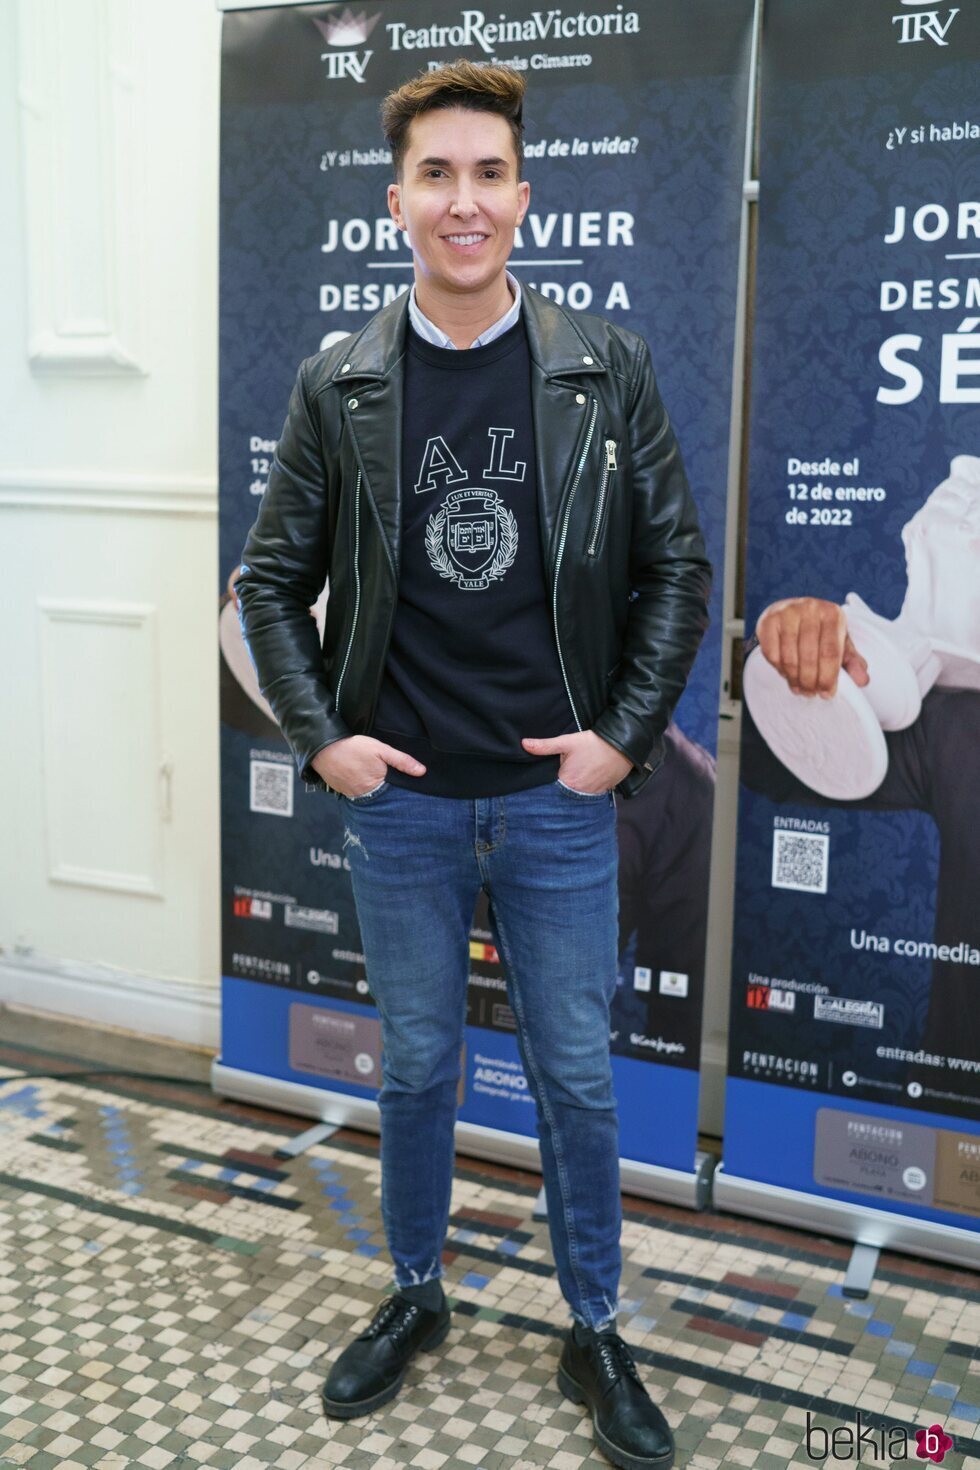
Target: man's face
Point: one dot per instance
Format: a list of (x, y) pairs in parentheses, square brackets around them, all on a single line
[(459, 199)]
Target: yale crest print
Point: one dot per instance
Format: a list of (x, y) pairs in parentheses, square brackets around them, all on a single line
[(472, 538)]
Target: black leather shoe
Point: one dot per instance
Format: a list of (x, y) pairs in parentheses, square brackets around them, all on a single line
[(370, 1370), (599, 1372)]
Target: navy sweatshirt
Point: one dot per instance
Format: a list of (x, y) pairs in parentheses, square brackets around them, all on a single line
[(473, 664)]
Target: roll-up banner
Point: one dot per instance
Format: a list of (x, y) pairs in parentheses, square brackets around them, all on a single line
[(854, 1072), (635, 127)]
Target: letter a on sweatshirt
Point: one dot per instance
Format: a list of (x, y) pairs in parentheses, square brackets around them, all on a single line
[(440, 467)]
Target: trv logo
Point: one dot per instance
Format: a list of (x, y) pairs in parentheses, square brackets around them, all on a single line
[(346, 64), (921, 24), (863, 1442), (346, 30)]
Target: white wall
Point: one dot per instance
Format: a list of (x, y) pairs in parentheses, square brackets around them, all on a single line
[(108, 510)]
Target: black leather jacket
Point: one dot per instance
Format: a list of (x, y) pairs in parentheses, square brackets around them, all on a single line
[(624, 559)]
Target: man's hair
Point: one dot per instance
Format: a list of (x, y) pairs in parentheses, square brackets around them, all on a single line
[(496, 89)]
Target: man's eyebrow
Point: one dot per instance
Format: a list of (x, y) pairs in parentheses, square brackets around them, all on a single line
[(446, 163)]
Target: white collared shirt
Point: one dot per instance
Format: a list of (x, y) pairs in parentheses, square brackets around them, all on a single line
[(429, 332)]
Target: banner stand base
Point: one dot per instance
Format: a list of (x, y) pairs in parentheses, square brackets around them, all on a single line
[(861, 1270), (338, 1110), (868, 1227), (309, 1139)]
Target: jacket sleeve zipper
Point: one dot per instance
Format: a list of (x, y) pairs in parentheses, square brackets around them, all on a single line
[(561, 550), (600, 506), (357, 586)]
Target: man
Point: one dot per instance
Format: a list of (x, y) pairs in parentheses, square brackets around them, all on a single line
[(517, 592)]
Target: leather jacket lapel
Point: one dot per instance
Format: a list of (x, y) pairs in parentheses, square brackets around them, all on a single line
[(561, 415), (562, 364), (372, 378), (375, 426)]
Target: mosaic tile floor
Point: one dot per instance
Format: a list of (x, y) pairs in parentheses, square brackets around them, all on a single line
[(173, 1289)]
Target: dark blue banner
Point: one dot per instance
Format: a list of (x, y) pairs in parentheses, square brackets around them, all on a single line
[(635, 124), (855, 1023)]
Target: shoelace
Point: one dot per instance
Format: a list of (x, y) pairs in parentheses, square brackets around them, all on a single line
[(394, 1317), (616, 1358)]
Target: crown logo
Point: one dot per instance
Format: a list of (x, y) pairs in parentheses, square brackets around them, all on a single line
[(346, 29)]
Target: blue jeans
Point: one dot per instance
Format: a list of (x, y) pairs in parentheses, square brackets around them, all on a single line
[(547, 858)]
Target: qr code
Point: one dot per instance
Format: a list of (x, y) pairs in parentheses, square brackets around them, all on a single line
[(799, 860), (271, 789)]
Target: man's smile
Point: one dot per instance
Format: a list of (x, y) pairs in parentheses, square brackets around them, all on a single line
[(465, 241)]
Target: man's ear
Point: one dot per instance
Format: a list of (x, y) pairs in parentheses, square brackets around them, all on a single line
[(395, 205), (523, 199)]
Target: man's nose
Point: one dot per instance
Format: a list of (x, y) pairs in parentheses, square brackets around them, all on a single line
[(464, 206)]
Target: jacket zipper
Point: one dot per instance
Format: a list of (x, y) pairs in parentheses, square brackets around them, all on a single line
[(357, 587), (561, 549), (609, 465)]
